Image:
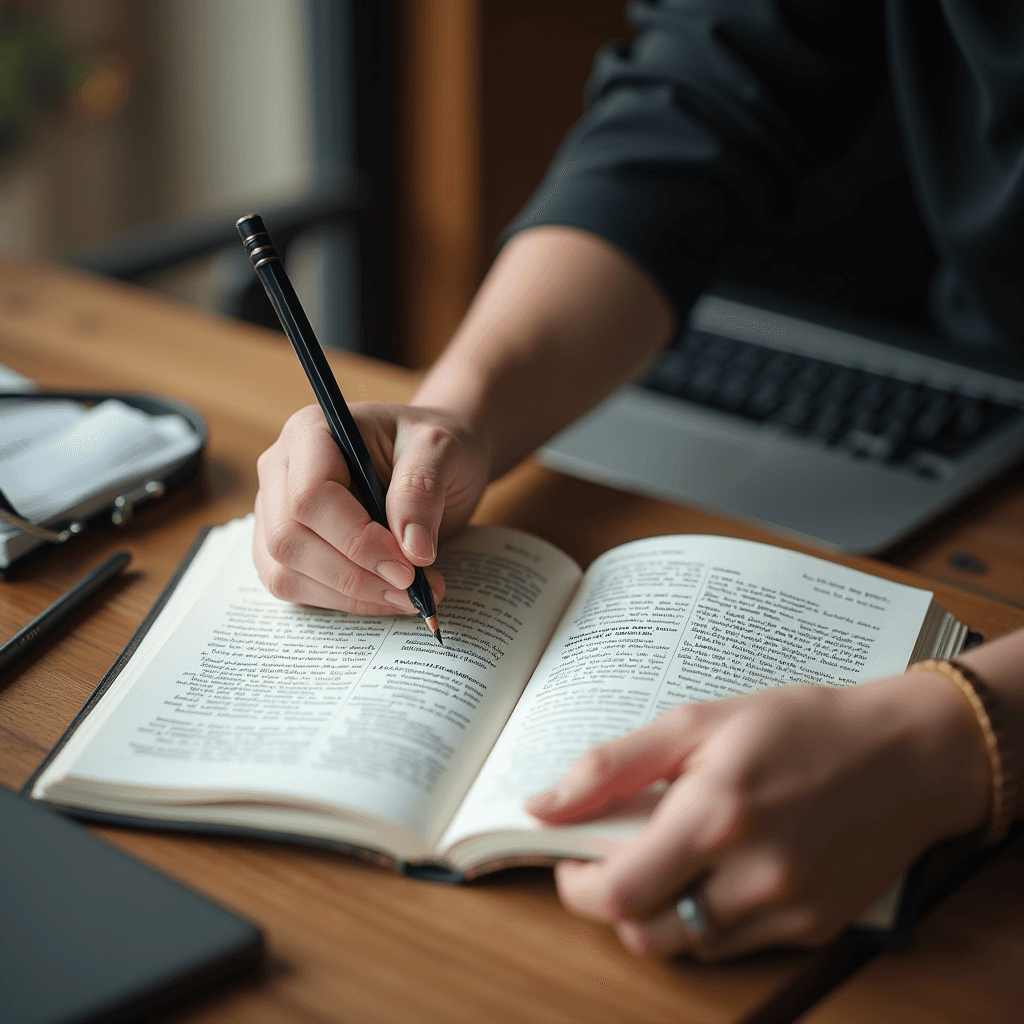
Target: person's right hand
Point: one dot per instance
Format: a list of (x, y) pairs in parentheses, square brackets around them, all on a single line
[(314, 542)]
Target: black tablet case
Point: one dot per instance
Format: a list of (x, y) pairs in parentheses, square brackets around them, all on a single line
[(87, 934)]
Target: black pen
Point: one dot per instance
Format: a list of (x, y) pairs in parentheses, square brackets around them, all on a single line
[(44, 624), (270, 270)]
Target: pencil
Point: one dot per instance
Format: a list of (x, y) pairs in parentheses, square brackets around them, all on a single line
[(46, 622), (270, 270)]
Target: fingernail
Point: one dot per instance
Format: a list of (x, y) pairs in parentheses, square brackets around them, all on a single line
[(543, 802), (633, 937), (417, 541), (396, 574), (400, 599)]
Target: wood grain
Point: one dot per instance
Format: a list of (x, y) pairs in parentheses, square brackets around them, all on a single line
[(536, 57), (964, 967), (348, 942), (979, 545), (441, 242), (486, 92)]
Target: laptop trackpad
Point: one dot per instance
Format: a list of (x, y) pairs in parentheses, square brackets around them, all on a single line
[(664, 456)]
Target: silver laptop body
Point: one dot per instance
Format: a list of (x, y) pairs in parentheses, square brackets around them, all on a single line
[(832, 437)]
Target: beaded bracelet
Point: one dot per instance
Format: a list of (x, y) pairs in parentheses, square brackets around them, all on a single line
[(1000, 759)]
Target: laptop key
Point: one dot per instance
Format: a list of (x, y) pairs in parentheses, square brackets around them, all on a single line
[(795, 414), (733, 393), (764, 401), (671, 373), (703, 385), (863, 444), (827, 423), (970, 417), (843, 383)]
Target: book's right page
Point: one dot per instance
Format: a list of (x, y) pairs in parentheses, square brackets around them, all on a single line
[(664, 621)]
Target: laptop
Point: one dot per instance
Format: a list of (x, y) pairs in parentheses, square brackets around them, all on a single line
[(849, 441)]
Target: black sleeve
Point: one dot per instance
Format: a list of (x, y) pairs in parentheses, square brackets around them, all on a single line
[(958, 80), (699, 132)]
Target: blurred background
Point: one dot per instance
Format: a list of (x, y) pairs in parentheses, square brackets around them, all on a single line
[(386, 143)]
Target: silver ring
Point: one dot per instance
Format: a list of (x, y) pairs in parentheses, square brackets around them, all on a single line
[(690, 908)]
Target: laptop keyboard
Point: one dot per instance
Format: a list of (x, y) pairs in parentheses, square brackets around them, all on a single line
[(916, 426)]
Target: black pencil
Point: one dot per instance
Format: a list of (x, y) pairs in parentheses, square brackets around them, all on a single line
[(46, 622), (270, 270)]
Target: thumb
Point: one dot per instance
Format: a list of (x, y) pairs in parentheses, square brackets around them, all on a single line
[(622, 768), (426, 462)]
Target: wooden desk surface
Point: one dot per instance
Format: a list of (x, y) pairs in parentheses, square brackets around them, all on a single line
[(348, 942), (964, 966)]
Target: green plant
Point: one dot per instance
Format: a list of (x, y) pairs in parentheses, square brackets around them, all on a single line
[(37, 74)]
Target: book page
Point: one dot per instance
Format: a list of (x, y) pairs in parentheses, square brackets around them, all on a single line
[(242, 697), (668, 620)]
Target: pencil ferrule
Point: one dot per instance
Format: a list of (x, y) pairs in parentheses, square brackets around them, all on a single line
[(261, 252)]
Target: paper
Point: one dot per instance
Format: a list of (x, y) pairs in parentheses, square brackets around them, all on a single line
[(24, 424), (11, 380), (76, 456)]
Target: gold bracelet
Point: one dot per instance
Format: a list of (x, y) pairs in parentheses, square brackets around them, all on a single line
[(997, 747)]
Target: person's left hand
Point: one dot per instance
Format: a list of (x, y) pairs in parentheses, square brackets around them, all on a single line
[(790, 812)]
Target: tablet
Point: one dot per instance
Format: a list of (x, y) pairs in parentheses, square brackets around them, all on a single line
[(89, 934)]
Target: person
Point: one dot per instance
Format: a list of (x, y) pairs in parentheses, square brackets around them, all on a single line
[(788, 810)]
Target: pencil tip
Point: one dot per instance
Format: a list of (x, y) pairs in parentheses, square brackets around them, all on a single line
[(431, 624)]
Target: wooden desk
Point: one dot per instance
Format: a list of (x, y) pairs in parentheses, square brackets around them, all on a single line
[(347, 942), (964, 966)]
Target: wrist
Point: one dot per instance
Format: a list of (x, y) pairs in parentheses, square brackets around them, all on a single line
[(485, 398), (989, 720), (941, 752), (1000, 664), (460, 400)]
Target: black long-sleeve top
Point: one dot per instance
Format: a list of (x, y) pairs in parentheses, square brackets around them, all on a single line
[(703, 133)]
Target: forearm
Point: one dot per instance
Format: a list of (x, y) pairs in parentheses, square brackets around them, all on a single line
[(560, 321)]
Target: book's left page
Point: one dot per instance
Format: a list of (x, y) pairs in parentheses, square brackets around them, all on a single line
[(238, 709)]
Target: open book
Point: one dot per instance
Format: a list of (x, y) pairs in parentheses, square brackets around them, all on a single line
[(238, 711)]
